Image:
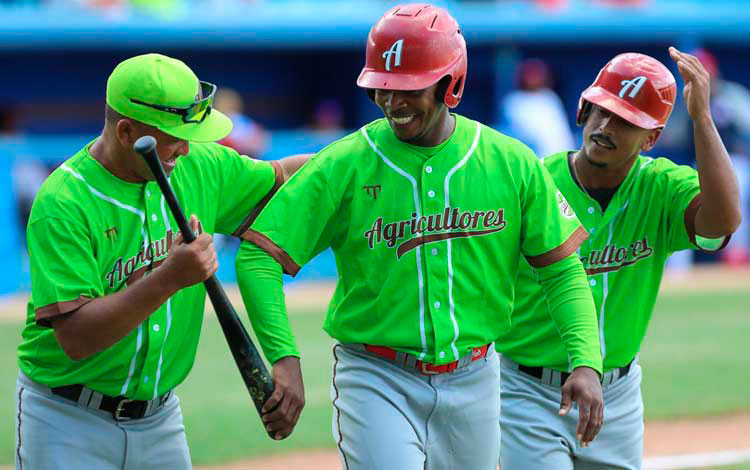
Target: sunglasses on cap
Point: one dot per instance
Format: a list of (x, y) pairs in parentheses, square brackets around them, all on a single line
[(196, 112)]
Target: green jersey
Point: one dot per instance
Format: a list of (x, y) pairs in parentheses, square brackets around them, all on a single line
[(650, 216), (92, 234), (427, 241)]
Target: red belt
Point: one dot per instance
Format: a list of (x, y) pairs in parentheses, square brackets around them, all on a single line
[(426, 367)]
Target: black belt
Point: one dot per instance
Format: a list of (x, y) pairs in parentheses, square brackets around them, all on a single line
[(538, 372), (122, 408)]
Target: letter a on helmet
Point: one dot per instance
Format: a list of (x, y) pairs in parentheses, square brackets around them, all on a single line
[(413, 47), (636, 87)]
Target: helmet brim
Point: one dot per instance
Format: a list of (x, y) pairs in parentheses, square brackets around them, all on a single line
[(616, 105), (375, 80)]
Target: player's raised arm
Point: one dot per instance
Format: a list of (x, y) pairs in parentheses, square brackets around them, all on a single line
[(719, 213)]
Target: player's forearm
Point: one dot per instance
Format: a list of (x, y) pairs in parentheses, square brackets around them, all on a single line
[(260, 280), (572, 308), (104, 321), (719, 214), (291, 164)]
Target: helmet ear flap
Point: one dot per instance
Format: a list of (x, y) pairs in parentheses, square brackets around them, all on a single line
[(442, 89), (453, 92), (583, 112)]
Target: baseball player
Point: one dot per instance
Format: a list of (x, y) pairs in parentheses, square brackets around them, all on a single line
[(116, 302), (637, 211), (427, 213)]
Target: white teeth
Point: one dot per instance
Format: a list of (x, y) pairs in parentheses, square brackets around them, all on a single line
[(402, 120)]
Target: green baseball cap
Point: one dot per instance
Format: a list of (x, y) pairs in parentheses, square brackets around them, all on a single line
[(164, 93)]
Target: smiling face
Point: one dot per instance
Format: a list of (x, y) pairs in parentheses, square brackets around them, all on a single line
[(416, 117), (611, 142)]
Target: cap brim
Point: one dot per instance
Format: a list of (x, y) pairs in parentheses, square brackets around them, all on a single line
[(215, 127), (620, 107)]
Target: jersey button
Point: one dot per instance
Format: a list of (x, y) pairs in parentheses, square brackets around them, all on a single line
[(442, 354), (148, 193), (153, 217), (156, 327), (434, 251), (431, 193), (145, 379), (592, 230), (428, 169), (592, 282), (591, 210), (436, 304)]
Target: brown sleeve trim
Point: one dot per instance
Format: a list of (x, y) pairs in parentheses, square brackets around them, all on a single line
[(42, 315), (267, 245), (278, 181), (690, 213), (556, 254)]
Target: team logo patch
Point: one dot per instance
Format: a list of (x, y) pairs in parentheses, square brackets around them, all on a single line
[(565, 208), (633, 85), (111, 233), (372, 190), (395, 53)]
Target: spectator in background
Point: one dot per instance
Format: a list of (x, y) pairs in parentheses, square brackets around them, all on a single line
[(533, 113), (247, 136), (328, 117), (27, 174)]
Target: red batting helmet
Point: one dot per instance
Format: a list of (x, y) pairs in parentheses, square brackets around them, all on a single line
[(412, 47), (636, 87)]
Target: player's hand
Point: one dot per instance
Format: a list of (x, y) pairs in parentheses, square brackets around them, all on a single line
[(697, 89), (191, 263), (282, 409), (583, 386)]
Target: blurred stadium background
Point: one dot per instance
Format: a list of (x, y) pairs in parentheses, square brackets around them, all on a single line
[(289, 67)]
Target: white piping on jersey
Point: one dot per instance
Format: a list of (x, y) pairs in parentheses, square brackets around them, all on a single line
[(103, 196), (418, 249), (131, 371), (605, 282), (605, 276), (139, 213), (167, 227), (451, 303)]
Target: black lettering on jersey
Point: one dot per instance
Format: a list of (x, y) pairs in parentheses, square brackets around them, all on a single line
[(135, 267), (613, 257), (451, 223)]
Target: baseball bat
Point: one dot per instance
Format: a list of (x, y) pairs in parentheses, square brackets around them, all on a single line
[(246, 355)]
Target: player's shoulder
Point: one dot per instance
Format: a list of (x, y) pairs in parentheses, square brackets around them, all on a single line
[(663, 169), (209, 158), (348, 149), (556, 162), (208, 153), (65, 191)]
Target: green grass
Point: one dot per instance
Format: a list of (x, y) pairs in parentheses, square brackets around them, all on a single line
[(221, 421), (694, 358)]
